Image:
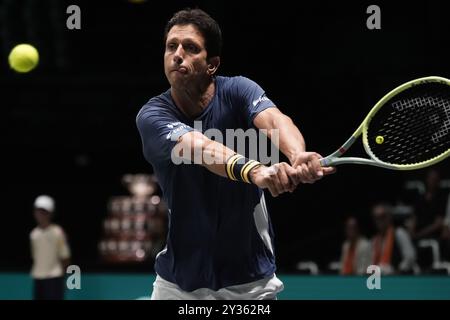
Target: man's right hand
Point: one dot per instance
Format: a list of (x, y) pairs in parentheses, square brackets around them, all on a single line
[(278, 178)]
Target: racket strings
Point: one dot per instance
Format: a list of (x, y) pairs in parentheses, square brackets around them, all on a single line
[(416, 137), (416, 115), (415, 134), (414, 124), (416, 129)]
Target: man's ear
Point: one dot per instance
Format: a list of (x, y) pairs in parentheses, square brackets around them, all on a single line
[(213, 65)]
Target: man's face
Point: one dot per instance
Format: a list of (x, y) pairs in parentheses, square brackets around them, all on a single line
[(351, 229), (42, 217), (185, 57), (381, 217)]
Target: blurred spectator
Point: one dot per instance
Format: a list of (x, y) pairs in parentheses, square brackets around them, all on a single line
[(446, 232), (355, 254), (50, 252), (392, 248), (429, 210)]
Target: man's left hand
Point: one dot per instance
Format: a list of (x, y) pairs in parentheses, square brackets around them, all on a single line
[(308, 167)]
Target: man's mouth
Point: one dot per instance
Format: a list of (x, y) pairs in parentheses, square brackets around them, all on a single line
[(182, 70)]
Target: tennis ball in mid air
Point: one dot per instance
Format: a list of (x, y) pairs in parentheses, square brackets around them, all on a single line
[(379, 139), (23, 58)]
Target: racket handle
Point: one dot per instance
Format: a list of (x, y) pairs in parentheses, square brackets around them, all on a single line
[(324, 162)]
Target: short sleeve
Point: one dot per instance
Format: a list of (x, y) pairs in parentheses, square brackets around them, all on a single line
[(159, 131), (251, 98)]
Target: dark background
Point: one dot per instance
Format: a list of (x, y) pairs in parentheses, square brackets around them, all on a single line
[(68, 127)]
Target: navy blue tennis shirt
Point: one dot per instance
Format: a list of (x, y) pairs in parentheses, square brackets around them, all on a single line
[(219, 230)]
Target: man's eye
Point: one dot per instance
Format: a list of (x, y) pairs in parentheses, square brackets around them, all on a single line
[(171, 46), (191, 48)]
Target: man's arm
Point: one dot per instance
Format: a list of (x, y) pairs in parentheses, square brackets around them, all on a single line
[(291, 141), (64, 250), (32, 251), (197, 148), (292, 144)]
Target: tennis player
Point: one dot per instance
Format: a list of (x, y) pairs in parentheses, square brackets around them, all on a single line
[(220, 240)]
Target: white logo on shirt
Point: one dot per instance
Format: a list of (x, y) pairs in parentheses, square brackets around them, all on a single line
[(260, 99), (173, 124), (180, 126)]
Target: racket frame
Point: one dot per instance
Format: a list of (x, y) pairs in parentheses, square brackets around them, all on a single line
[(335, 158)]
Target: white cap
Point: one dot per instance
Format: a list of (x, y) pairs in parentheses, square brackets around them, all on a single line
[(45, 202)]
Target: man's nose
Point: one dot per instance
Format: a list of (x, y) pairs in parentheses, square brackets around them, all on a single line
[(178, 56)]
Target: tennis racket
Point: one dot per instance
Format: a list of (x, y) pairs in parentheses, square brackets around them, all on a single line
[(409, 128)]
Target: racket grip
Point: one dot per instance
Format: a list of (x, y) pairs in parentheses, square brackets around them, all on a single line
[(323, 162)]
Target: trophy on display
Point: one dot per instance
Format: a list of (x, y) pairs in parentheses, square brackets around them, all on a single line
[(135, 227)]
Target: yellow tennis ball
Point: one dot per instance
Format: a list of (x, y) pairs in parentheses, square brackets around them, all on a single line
[(379, 139), (23, 58)]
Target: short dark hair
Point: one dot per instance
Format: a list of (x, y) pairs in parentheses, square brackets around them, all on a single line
[(208, 27)]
